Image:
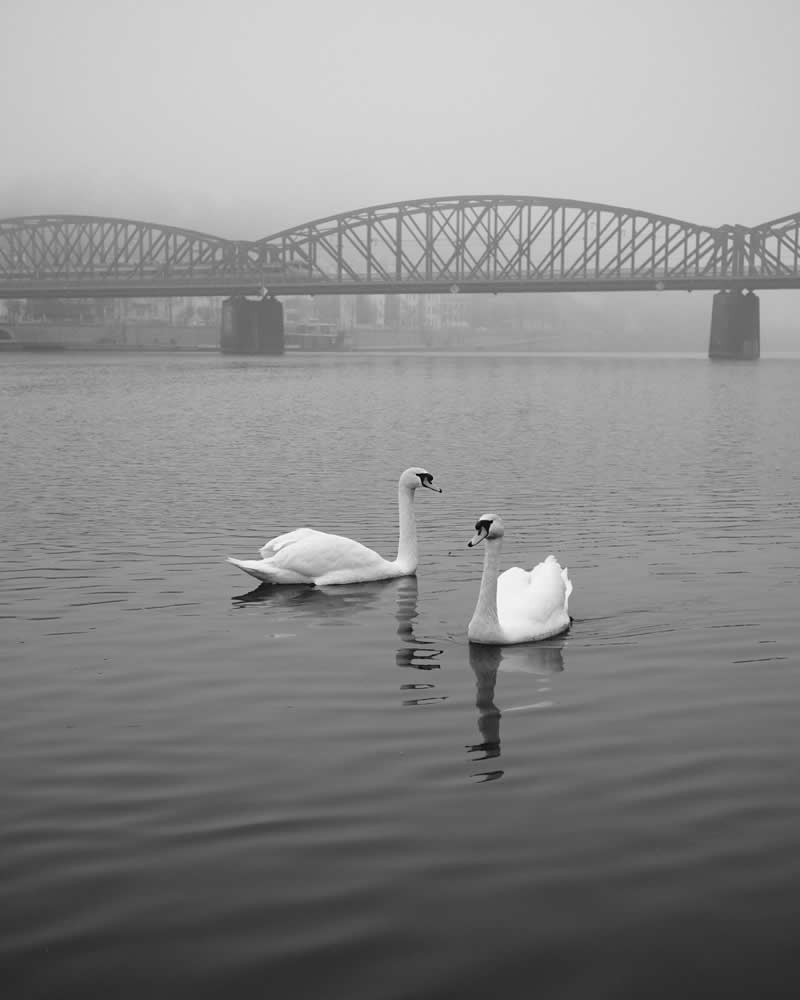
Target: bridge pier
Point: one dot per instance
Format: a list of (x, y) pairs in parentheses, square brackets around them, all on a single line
[(735, 326), (251, 326)]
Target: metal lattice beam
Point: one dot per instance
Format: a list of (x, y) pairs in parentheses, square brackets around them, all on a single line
[(474, 243)]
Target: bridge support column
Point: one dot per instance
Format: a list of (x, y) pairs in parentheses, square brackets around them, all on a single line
[(735, 327), (251, 326)]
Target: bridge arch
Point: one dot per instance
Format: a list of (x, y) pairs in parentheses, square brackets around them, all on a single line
[(70, 247), (475, 239), (466, 242)]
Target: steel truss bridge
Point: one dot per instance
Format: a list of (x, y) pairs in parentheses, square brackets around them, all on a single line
[(485, 243)]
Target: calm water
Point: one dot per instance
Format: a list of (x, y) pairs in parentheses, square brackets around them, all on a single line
[(297, 793)]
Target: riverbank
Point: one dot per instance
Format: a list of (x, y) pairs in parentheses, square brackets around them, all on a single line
[(104, 336)]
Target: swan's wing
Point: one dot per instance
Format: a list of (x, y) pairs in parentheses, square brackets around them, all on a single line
[(313, 554), (534, 597), (279, 541), (512, 587)]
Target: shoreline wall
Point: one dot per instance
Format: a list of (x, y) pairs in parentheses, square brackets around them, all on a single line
[(105, 335)]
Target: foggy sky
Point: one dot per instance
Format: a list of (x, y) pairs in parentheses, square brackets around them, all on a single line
[(242, 117)]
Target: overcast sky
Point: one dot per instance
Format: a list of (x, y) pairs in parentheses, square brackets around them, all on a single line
[(241, 117)]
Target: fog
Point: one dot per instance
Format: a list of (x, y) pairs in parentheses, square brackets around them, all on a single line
[(245, 117)]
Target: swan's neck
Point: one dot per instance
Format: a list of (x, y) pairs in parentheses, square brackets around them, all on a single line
[(407, 545), (485, 616)]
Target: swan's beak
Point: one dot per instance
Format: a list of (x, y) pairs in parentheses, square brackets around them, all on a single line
[(429, 487), (479, 536)]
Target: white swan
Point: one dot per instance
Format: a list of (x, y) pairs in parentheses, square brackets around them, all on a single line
[(517, 606), (316, 557)]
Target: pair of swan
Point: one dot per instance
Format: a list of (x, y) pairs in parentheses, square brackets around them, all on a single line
[(514, 606)]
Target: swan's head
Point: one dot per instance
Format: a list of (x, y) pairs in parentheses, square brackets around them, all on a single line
[(415, 477), (487, 526)]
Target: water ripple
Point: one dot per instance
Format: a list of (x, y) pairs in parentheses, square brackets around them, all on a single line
[(332, 786)]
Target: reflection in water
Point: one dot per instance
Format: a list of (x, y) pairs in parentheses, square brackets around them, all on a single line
[(540, 659), (265, 593), (414, 656), (414, 652), (338, 598), (417, 653)]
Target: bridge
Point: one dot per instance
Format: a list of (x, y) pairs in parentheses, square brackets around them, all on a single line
[(483, 243)]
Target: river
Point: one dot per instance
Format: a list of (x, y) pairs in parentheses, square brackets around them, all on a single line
[(210, 787)]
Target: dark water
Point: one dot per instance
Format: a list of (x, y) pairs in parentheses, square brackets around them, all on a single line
[(208, 790)]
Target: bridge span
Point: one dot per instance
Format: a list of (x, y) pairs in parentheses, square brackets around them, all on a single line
[(471, 243)]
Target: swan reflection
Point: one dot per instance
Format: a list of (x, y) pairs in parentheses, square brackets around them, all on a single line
[(330, 602), (342, 597), (541, 660), (418, 653)]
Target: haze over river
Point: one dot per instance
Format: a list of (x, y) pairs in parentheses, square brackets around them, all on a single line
[(210, 790)]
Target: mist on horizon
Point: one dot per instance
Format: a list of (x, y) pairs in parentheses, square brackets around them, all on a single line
[(250, 118)]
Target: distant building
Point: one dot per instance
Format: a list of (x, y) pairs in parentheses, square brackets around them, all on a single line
[(446, 311), (196, 310), (347, 312), (409, 311)]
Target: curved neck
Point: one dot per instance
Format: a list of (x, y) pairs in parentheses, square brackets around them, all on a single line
[(486, 608), (407, 545)]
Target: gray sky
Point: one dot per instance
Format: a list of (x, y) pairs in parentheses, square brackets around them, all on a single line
[(241, 117)]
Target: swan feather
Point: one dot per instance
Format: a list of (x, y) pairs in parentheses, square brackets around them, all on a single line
[(309, 556), (518, 605)]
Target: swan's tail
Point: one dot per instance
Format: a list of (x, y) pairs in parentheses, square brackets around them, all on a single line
[(254, 567), (567, 587), (564, 572)]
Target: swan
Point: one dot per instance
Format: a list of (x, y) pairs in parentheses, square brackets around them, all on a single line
[(316, 557), (517, 606)]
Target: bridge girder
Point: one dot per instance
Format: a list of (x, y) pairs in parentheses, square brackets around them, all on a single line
[(496, 238), (469, 243), (77, 249)]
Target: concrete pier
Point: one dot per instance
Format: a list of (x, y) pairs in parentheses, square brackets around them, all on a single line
[(251, 326), (735, 327)]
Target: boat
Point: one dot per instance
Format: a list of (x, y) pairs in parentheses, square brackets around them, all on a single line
[(312, 336)]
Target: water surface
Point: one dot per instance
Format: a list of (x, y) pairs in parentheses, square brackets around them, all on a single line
[(209, 787)]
